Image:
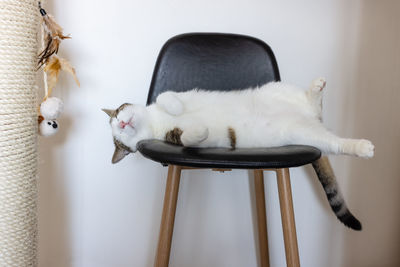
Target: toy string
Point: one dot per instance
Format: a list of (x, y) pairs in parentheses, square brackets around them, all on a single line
[(46, 88)]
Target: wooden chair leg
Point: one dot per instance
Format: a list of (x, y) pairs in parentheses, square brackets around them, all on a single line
[(288, 223), (261, 217), (168, 216)]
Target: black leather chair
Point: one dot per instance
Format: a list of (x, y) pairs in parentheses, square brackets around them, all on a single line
[(222, 62)]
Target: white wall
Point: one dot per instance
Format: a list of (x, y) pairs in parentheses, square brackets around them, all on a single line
[(94, 214)]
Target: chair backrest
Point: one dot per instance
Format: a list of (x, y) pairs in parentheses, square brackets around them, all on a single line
[(212, 61)]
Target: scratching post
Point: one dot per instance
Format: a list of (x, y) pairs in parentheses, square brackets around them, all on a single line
[(18, 133)]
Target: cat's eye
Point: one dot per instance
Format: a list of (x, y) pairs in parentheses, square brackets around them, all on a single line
[(49, 123)]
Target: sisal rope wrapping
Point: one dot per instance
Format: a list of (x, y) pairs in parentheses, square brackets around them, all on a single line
[(18, 133)]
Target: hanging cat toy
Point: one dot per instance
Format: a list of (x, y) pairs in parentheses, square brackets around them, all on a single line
[(51, 107)]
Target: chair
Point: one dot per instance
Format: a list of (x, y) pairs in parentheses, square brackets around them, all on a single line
[(222, 62)]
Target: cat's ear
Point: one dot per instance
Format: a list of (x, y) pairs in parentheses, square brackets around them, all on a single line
[(109, 112), (119, 153)]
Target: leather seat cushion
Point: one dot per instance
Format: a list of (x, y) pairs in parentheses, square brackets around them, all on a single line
[(240, 158)]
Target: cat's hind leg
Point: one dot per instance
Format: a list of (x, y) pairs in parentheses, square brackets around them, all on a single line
[(327, 142), (193, 136), (169, 102), (314, 95), (318, 85)]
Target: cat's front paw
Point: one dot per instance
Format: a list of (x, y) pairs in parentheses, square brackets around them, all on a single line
[(318, 84), (365, 149), (170, 103), (194, 136)]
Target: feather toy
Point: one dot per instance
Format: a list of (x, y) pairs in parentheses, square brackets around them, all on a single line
[(53, 67), (53, 35), (51, 107)]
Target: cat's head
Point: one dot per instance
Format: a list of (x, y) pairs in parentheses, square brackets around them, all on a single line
[(126, 122)]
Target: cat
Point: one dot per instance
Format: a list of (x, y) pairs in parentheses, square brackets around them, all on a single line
[(271, 115)]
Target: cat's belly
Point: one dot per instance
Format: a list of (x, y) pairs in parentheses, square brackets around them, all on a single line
[(249, 133), (249, 129), (256, 136)]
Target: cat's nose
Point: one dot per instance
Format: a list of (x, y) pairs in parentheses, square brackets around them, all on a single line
[(122, 124)]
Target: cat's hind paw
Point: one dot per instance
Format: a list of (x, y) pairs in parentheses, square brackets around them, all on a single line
[(318, 84), (365, 149), (194, 136)]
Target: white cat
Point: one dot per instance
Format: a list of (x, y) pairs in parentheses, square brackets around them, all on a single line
[(272, 115), (275, 114)]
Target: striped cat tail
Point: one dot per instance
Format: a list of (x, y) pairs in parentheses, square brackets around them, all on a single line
[(327, 178)]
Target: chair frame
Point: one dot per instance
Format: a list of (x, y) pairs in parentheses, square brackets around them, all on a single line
[(286, 206)]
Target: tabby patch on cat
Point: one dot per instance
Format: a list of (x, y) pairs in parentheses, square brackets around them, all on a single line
[(271, 115)]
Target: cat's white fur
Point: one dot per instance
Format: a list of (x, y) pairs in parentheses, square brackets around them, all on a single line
[(274, 114)]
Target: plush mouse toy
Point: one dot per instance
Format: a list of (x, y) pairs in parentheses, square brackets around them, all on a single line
[(50, 110)]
